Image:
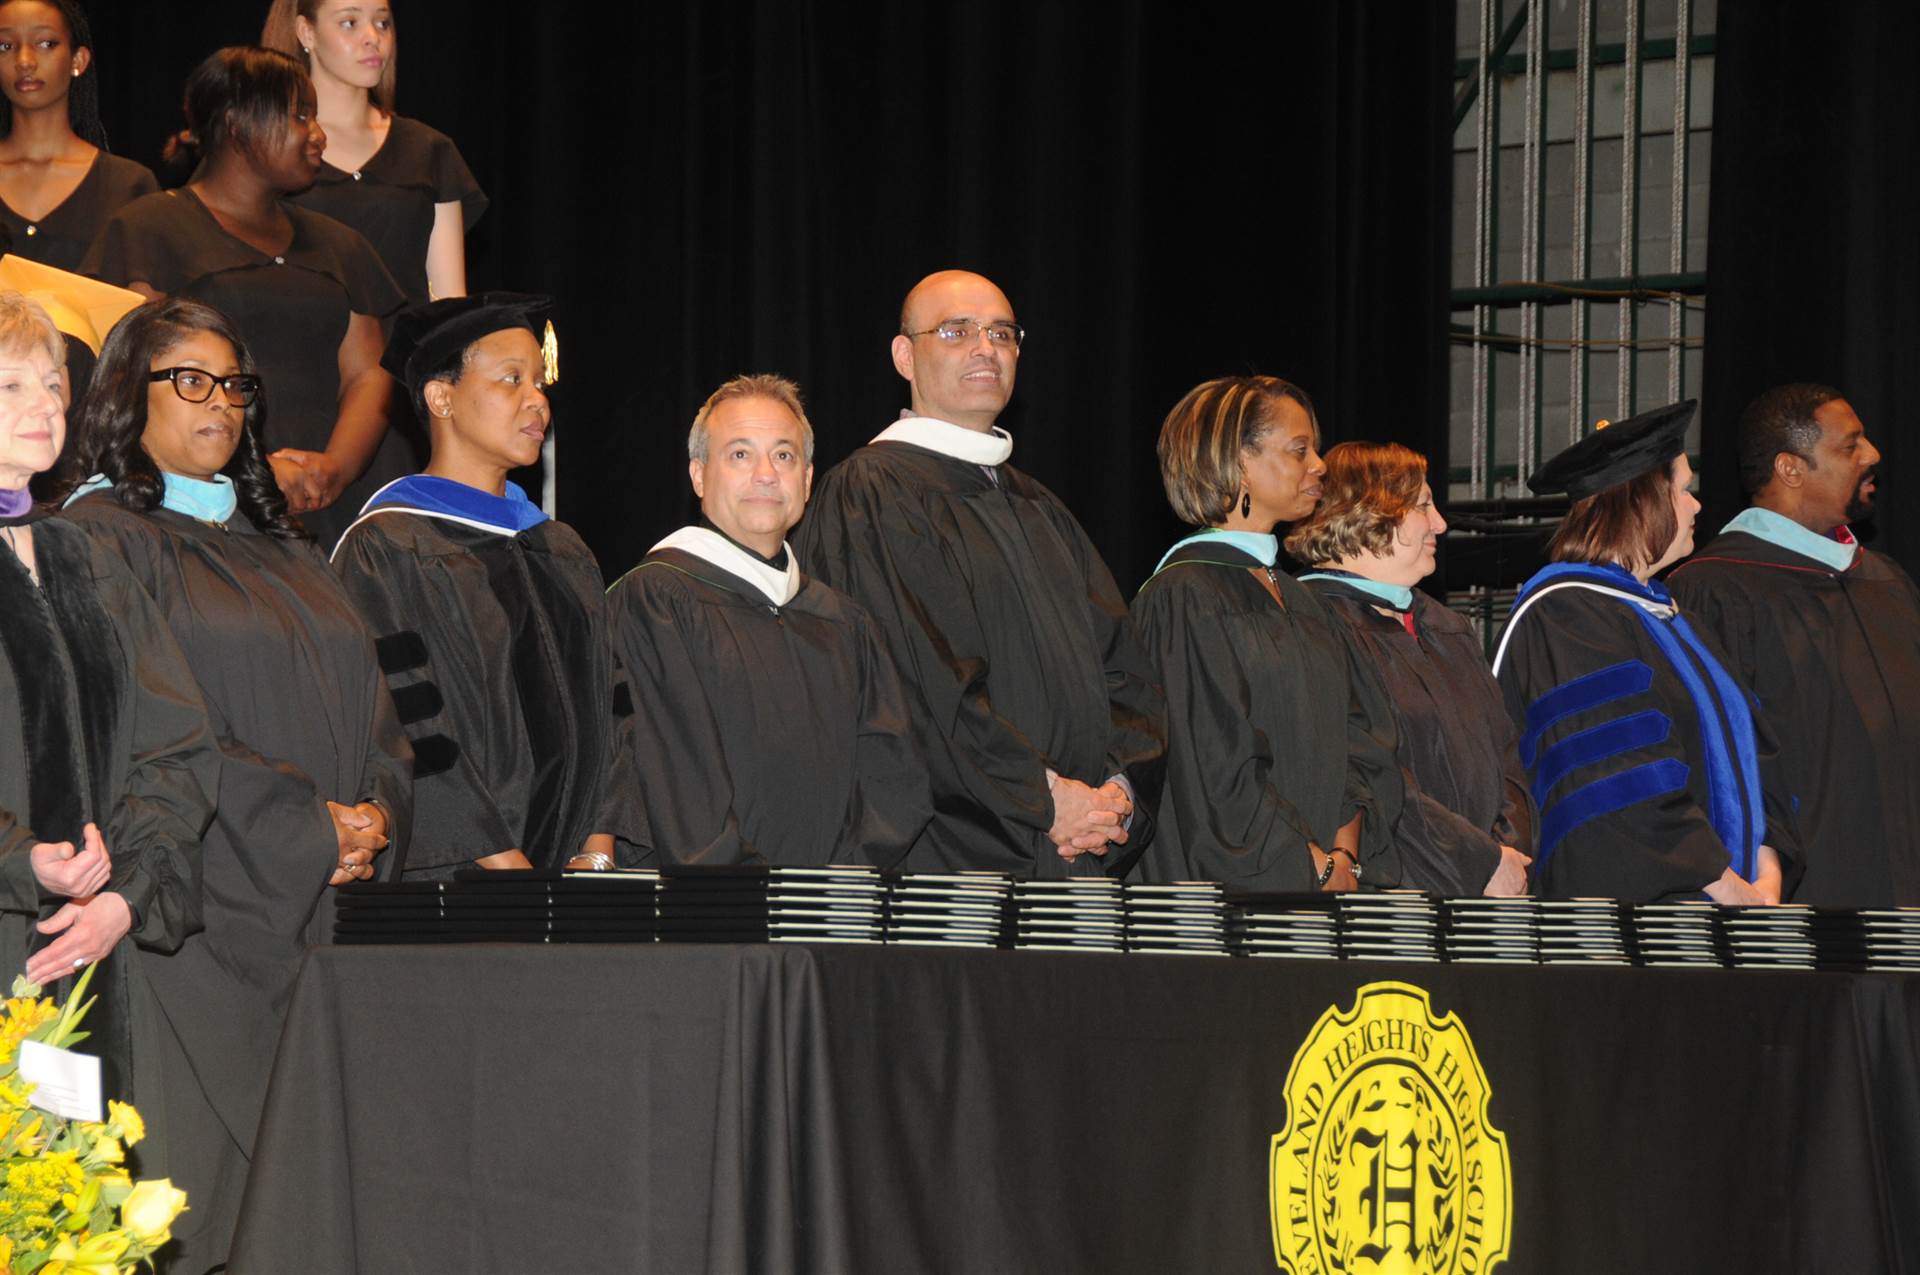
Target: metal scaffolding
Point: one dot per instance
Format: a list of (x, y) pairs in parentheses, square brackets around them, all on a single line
[(1544, 88)]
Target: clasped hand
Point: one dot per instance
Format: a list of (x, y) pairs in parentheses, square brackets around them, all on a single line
[(89, 923), (309, 480), (361, 833), (71, 874), (1086, 820)]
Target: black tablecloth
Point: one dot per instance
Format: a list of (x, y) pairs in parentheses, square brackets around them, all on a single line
[(686, 1108)]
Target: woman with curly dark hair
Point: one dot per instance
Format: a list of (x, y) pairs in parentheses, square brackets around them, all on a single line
[(58, 183), (316, 771), (1467, 826)]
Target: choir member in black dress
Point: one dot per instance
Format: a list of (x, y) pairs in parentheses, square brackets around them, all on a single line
[(58, 183), (491, 618), (306, 292), (395, 180), (1033, 704), (1653, 776), (769, 725), (1827, 633), (1468, 820), (107, 765), (315, 768), (1280, 771)]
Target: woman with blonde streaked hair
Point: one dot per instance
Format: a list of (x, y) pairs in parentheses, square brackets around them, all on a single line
[(1278, 774), (1467, 826)]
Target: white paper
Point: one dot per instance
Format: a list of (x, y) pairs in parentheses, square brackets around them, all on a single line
[(65, 1083)]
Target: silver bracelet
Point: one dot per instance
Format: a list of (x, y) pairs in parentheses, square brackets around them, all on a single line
[(599, 860)]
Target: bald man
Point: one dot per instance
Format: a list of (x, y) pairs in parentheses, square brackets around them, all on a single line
[(1031, 697)]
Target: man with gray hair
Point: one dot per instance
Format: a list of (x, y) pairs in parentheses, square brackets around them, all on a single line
[(769, 724), (1826, 633)]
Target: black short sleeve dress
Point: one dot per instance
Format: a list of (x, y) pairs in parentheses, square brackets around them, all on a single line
[(391, 198), (61, 238), (292, 308)]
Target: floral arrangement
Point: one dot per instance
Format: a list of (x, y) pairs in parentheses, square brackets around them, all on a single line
[(68, 1206)]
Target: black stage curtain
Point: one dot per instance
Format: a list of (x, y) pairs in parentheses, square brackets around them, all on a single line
[(1813, 269), (1167, 193)]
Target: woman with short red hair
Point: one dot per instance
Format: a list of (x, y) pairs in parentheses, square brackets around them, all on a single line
[(1651, 771), (1467, 826)]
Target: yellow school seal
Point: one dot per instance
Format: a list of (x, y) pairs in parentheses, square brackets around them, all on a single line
[(1387, 1162)]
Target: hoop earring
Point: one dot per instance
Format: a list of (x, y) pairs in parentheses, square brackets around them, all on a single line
[(1246, 504)]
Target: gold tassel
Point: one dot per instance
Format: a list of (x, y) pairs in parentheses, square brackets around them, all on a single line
[(550, 354)]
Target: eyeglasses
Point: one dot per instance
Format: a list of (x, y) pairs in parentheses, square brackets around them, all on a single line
[(196, 385), (967, 331)]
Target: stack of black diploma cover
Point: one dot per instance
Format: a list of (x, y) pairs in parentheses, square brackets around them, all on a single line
[(756, 904)]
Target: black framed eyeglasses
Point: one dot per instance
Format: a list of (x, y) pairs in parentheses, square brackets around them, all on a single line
[(196, 384), (967, 331)]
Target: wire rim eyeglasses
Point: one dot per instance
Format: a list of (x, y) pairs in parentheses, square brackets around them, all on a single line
[(967, 331)]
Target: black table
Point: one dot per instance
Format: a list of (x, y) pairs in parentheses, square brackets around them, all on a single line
[(686, 1108)]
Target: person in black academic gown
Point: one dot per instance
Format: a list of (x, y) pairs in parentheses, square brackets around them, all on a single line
[(315, 769), (490, 617), (769, 725), (1827, 633), (107, 766), (1468, 820), (1653, 775), (1280, 770), (1032, 701)]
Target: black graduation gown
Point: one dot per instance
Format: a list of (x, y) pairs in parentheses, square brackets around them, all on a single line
[(1466, 791), (61, 238), (1833, 657), (100, 721), (500, 658), (1662, 844), (303, 717), (1273, 739), (391, 198), (762, 734), (1015, 649), (293, 310)]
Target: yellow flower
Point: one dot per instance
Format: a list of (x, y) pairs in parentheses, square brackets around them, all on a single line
[(149, 1211), (108, 1151), (132, 1127), (6, 1251), (105, 1250), (100, 1255)]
